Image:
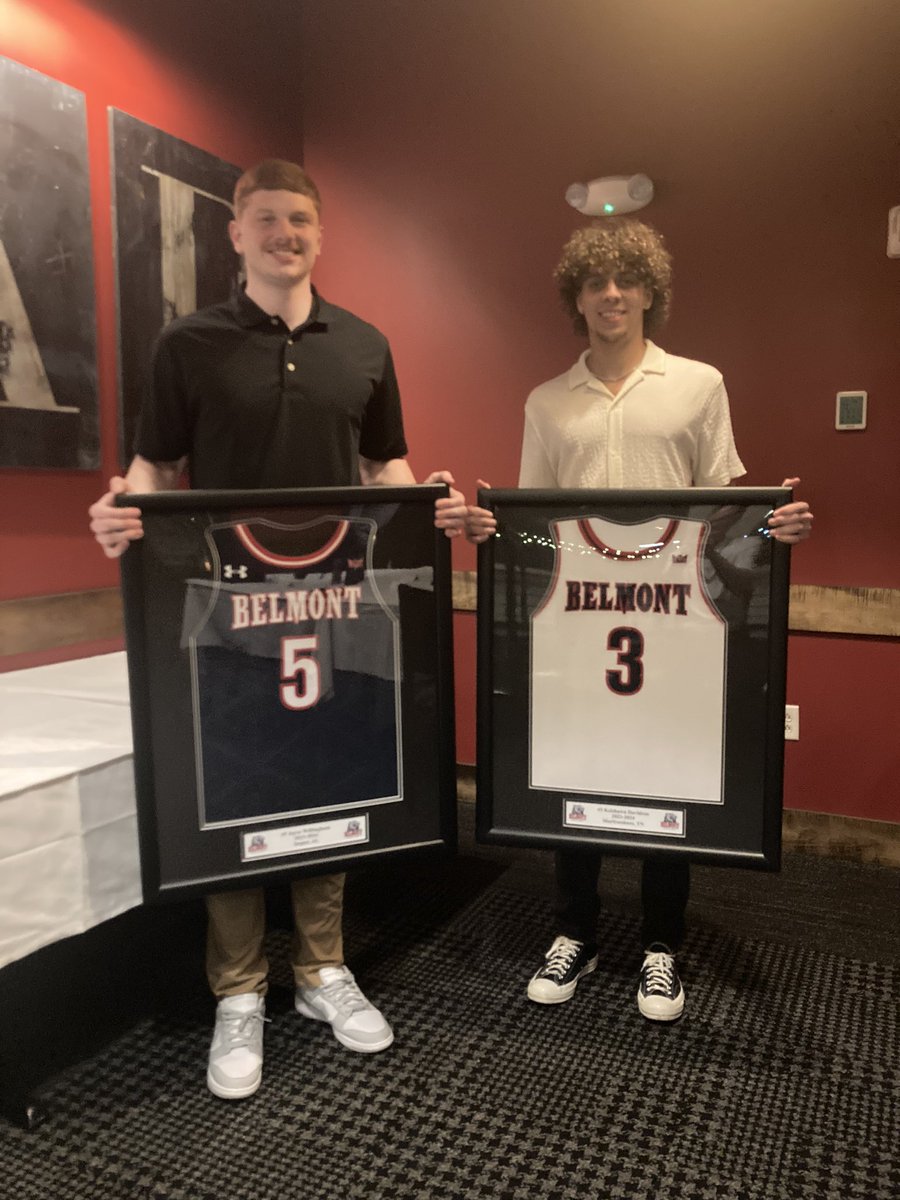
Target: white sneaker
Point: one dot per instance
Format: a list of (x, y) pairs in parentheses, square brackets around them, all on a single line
[(355, 1022), (236, 1053)]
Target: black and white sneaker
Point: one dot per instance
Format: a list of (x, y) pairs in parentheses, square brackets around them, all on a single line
[(564, 964), (660, 994)]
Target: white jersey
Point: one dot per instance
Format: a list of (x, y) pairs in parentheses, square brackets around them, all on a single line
[(628, 664)]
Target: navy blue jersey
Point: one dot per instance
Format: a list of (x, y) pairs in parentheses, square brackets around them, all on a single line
[(296, 670)]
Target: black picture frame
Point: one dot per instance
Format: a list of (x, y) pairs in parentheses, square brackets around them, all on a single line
[(631, 673), (290, 667)]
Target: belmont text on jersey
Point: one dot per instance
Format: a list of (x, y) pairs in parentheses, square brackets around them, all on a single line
[(603, 595), (295, 606)]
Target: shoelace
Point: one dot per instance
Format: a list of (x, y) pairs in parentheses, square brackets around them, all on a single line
[(237, 1028), (561, 955), (659, 973), (344, 993)]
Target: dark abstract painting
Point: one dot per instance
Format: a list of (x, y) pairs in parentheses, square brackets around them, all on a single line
[(172, 208), (48, 371)]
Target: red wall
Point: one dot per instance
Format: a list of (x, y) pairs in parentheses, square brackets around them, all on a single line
[(170, 65), (846, 760), (443, 136)]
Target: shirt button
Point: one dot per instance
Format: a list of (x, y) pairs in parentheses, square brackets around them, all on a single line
[(291, 367), (290, 341), (273, 320)]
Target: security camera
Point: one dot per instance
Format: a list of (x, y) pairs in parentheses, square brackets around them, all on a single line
[(610, 195)]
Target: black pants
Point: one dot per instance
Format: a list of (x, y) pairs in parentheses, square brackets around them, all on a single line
[(665, 884)]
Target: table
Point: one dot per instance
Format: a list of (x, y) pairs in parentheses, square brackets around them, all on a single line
[(68, 828)]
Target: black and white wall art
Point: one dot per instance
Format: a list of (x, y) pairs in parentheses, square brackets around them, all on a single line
[(48, 372), (172, 207)]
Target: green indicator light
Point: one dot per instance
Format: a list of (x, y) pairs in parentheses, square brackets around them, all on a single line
[(609, 208)]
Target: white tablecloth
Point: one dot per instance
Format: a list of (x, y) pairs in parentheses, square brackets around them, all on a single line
[(68, 830)]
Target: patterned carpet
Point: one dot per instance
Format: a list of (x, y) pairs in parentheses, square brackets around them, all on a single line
[(780, 1081)]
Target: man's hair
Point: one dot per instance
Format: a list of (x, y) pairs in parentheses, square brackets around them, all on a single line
[(616, 246), (275, 175)]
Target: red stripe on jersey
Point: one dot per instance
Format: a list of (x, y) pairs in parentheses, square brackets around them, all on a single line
[(281, 560), (598, 544)]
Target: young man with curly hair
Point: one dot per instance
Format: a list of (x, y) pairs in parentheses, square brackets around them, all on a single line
[(627, 414)]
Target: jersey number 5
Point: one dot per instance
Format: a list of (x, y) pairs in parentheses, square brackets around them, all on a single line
[(300, 678), (630, 646)]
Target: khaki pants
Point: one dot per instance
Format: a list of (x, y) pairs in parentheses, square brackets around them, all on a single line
[(235, 962)]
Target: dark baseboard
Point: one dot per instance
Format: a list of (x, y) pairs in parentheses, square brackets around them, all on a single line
[(67, 1000)]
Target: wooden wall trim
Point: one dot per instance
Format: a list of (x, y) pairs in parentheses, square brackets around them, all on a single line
[(465, 591), (40, 623), (863, 611), (49, 622)]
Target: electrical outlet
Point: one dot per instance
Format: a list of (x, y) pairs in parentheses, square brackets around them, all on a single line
[(792, 722)]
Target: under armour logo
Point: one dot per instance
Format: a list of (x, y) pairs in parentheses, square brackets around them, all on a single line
[(232, 572)]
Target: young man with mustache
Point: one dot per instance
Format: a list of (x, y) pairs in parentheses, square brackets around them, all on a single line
[(273, 388)]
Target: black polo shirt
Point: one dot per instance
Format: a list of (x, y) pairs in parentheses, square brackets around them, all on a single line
[(253, 404)]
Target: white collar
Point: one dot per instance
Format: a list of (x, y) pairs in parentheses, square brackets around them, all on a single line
[(653, 363)]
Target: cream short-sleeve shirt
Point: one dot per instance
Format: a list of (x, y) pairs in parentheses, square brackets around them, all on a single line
[(669, 426)]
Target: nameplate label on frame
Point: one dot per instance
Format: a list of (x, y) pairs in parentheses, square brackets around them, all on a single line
[(303, 839), (660, 822)]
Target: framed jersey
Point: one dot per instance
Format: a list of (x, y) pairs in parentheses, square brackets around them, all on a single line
[(290, 666), (631, 672)]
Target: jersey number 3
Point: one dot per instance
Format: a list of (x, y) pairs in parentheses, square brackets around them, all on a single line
[(629, 643), (300, 678)]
